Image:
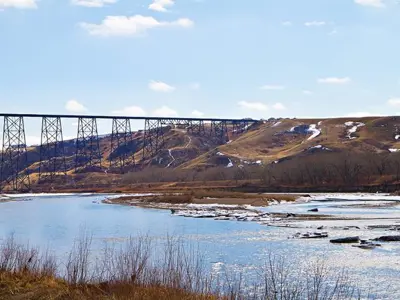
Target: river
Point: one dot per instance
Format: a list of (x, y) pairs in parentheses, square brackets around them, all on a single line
[(54, 221)]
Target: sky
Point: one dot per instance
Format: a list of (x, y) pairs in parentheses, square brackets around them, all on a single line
[(199, 58)]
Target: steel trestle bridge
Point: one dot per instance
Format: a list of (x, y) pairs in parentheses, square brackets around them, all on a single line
[(52, 162)]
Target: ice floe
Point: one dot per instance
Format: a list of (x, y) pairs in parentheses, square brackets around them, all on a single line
[(350, 197), (224, 213)]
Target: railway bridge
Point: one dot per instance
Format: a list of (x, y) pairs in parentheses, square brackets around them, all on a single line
[(15, 176)]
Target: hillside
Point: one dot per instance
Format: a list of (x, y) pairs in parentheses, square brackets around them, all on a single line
[(266, 143)]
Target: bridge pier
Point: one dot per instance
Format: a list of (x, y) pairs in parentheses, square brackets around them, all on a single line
[(52, 152), (240, 127), (197, 128), (219, 131), (153, 137), (14, 157), (87, 144), (122, 148)]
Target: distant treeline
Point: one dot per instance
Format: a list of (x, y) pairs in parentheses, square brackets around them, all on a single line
[(330, 169)]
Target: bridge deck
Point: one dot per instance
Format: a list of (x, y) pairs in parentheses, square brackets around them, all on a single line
[(122, 117)]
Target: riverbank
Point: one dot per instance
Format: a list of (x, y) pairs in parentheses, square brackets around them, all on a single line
[(202, 197)]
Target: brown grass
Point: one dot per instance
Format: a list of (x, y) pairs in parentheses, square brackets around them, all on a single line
[(24, 286), (164, 198), (207, 197)]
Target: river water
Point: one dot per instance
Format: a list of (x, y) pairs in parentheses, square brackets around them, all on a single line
[(55, 221)]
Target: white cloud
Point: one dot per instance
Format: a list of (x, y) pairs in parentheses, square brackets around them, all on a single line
[(333, 32), (23, 4), (92, 3), (160, 86), (130, 111), (131, 26), (315, 23), (373, 3), (272, 87), (278, 106), (253, 105), (74, 106), (394, 102), (334, 80), (161, 5), (287, 23), (197, 113), (307, 92), (165, 111), (195, 86)]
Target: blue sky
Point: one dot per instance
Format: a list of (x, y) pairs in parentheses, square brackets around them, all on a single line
[(225, 58)]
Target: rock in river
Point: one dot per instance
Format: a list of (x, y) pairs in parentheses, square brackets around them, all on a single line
[(313, 210), (388, 238), (346, 240)]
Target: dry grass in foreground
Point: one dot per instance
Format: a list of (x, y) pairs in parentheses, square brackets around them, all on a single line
[(133, 271), (25, 285)]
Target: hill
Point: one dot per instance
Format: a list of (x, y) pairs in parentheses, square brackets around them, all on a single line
[(282, 146)]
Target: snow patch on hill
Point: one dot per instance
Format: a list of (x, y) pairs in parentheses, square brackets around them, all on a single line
[(306, 129), (353, 128), (318, 147), (247, 162), (315, 132), (230, 164)]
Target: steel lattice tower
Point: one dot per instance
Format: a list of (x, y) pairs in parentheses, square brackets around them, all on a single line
[(240, 126), (87, 144), (14, 158), (52, 155), (197, 128), (153, 139), (219, 131), (122, 148)]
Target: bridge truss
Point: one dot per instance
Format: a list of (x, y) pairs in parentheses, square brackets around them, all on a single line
[(15, 157)]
